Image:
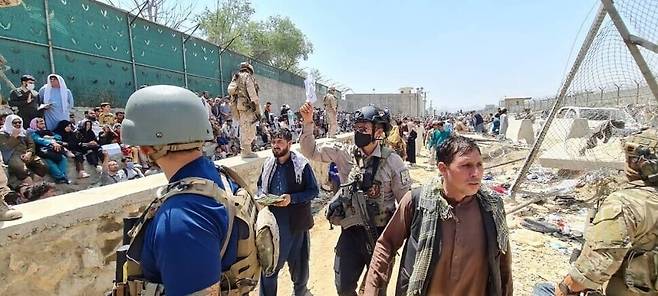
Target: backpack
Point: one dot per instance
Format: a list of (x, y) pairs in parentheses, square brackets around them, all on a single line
[(256, 250)]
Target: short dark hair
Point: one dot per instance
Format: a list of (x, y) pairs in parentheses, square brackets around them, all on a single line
[(455, 146), (282, 133)]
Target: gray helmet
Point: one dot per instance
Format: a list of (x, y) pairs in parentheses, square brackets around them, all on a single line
[(169, 118), (374, 115)]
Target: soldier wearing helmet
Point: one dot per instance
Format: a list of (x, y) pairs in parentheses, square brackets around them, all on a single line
[(374, 177), (331, 107), (186, 234), (620, 253), (243, 91)]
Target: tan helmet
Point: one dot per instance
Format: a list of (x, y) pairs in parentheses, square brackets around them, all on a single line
[(167, 117), (245, 65), (641, 151), (332, 89)]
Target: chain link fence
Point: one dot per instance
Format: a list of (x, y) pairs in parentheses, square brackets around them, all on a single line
[(606, 96)]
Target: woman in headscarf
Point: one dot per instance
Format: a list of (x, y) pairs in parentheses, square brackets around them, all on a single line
[(396, 143), (19, 152), (411, 142), (69, 140), (58, 98), (89, 144), (51, 150)]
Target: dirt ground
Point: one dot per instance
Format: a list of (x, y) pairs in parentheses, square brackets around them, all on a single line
[(536, 257)]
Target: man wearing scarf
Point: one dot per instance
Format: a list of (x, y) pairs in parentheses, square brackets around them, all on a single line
[(456, 233), (59, 100), (289, 175), (26, 100)]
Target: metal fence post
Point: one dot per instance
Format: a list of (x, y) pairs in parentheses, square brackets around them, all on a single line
[(221, 75), (184, 60), (50, 37), (132, 49), (637, 92)]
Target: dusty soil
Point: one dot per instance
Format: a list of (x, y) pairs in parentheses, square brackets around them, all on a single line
[(537, 257)]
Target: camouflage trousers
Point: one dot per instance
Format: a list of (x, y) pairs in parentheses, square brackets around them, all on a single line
[(333, 123), (247, 129)]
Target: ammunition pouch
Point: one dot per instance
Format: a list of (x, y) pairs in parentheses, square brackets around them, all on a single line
[(641, 271)]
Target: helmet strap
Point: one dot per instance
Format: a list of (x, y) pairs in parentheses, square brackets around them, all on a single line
[(162, 150)]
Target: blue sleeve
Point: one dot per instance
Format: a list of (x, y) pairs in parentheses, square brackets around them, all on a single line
[(39, 140), (311, 189), (188, 242)]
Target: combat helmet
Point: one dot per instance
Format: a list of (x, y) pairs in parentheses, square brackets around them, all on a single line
[(641, 151), (150, 121), (375, 115), (245, 65)]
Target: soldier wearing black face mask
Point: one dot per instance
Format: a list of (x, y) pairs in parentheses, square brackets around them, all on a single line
[(373, 177)]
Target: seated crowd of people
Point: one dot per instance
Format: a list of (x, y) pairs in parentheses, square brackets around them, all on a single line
[(36, 156)]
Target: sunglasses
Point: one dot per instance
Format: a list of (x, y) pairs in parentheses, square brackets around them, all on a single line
[(16, 122)]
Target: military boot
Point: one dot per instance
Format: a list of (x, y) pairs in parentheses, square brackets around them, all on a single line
[(8, 213)]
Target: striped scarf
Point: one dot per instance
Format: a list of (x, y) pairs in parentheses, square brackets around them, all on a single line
[(435, 208)]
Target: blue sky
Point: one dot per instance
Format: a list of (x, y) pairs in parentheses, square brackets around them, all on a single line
[(465, 53)]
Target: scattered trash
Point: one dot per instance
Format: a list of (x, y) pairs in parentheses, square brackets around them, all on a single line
[(488, 177), (553, 224), (560, 247), (565, 187), (539, 225), (592, 177), (565, 200), (541, 175), (500, 189)]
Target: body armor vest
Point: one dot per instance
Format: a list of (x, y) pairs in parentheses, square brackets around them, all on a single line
[(363, 184), (257, 245)]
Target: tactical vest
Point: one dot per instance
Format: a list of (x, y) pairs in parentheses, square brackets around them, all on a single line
[(365, 186), (257, 245), (639, 270), (238, 85)]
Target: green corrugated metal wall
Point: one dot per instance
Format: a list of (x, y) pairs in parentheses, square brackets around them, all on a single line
[(91, 50)]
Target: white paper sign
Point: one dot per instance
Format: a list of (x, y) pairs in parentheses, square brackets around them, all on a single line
[(309, 84)]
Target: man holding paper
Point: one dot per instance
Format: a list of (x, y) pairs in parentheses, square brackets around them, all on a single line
[(289, 176)]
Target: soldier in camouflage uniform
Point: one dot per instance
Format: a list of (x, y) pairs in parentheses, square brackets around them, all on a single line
[(331, 107), (243, 90), (374, 177), (620, 254)]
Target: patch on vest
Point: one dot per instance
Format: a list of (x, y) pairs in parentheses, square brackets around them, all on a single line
[(405, 178), (374, 191)]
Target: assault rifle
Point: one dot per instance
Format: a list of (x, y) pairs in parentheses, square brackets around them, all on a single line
[(358, 200)]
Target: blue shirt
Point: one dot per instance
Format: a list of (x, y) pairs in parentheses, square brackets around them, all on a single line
[(183, 242), (279, 182)]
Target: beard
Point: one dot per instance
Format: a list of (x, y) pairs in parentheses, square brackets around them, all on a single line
[(280, 152)]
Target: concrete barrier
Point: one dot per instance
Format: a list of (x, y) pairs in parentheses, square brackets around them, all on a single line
[(65, 245), (520, 130), (562, 129)]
